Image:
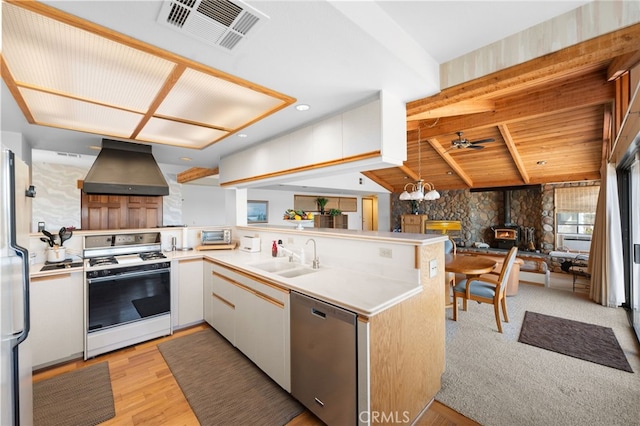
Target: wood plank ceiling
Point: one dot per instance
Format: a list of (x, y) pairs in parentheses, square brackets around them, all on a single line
[(556, 109)]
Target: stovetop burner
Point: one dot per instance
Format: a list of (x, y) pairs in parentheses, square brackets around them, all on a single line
[(101, 261), (152, 255)]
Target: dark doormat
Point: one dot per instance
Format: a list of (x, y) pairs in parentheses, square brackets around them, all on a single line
[(152, 305), (577, 339), (223, 386), (79, 397)]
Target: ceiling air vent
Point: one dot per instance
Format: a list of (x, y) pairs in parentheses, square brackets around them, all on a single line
[(220, 23)]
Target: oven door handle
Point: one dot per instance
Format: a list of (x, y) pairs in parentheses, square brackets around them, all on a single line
[(128, 275)]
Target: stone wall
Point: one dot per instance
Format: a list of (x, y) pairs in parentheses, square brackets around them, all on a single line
[(479, 211)]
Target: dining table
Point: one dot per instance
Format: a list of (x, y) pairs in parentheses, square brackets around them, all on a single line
[(471, 266)]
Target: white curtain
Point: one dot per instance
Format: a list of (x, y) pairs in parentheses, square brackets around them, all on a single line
[(605, 256)]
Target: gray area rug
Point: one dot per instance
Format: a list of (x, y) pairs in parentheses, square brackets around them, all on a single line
[(574, 338), (495, 380), (224, 387), (79, 397)]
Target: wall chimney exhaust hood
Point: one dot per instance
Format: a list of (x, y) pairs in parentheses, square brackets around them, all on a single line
[(124, 168)]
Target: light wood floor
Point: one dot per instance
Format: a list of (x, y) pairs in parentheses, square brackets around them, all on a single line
[(145, 392)]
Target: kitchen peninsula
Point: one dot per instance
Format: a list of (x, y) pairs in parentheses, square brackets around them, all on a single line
[(384, 278)]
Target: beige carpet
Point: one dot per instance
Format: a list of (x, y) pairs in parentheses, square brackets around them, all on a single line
[(80, 397), (496, 380), (224, 387)]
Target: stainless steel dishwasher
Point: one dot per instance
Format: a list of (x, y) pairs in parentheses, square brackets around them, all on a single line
[(323, 359)]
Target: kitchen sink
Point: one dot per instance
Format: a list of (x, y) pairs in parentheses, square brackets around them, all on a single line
[(292, 273), (275, 266)]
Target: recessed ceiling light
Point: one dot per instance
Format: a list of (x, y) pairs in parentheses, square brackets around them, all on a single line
[(302, 107), (449, 172), (242, 135), (185, 158), (541, 163)]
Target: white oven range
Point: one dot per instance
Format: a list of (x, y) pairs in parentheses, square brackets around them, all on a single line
[(127, 291)]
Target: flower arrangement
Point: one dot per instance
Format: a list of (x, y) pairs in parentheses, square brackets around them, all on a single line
[(291, 214)]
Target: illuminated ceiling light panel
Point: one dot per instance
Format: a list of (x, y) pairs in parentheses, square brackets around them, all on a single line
[(52, 56), (66, 113), (207, 99), (179, 134), (69, 73)]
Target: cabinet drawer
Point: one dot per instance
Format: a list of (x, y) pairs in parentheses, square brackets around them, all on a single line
[(270, 290), (412, 220), (222, 287)]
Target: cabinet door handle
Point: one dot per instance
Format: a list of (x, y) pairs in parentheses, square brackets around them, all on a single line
[(320, 403), (318, 313)]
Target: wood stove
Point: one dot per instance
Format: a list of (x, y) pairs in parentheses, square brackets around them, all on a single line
[(506, 236)]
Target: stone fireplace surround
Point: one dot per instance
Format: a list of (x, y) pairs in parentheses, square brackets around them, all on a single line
[(480, 211)]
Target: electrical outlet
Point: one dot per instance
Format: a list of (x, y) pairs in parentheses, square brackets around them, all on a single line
[(433, 268), (385, 252)]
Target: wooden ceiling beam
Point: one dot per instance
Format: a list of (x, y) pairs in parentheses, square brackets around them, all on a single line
[(409, 172), (607, 131), (622, 64), (435, 144), (460, 108), (380, 182), (196, 173), (551, 66), (517, 159), (578, 93)]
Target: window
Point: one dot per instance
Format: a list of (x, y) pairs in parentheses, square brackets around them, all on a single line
[(575, 216)]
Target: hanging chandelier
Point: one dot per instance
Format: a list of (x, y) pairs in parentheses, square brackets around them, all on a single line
[(420, 190)]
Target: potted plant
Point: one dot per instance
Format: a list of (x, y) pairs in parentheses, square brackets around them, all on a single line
[(321, 202), (334, 212)]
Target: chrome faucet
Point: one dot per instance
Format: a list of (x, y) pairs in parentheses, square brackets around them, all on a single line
[(316, 262), (292, 254)]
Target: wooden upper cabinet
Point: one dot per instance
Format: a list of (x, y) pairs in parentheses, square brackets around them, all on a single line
[(120, 211), (308, 203), (348, 204)]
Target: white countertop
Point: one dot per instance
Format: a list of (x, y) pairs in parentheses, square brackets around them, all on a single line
[(362, 293)]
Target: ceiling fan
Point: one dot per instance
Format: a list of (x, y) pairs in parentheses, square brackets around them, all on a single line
[(466, 143)]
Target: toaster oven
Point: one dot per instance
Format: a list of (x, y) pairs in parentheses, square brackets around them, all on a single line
[(218, 236)]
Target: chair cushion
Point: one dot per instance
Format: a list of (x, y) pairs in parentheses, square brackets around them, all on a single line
[(478, 288), (448, 246)]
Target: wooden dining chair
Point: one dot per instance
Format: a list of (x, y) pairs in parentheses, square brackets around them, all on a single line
[(486, 290), (450, 248)]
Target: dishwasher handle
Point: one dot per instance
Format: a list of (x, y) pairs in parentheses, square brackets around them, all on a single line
[(318, 313)]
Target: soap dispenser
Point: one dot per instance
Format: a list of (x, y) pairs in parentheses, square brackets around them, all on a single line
[(274, 249)]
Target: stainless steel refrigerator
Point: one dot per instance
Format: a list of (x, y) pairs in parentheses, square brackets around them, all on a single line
[(15, 215)]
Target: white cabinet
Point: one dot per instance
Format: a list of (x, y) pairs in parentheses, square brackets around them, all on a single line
[(223, 304), (254, 316), (300, 148), (327, 140), (207, 278), (56, 318), (190, 292), (361, 130)]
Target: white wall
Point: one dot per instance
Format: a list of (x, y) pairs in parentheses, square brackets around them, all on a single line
[(203, 205), (57, 202)]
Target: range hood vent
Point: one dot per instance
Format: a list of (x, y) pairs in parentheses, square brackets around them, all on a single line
[(124, 168), (221, 23)]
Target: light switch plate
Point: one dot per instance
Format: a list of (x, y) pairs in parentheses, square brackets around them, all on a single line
[(385, 252), (433, 268)]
